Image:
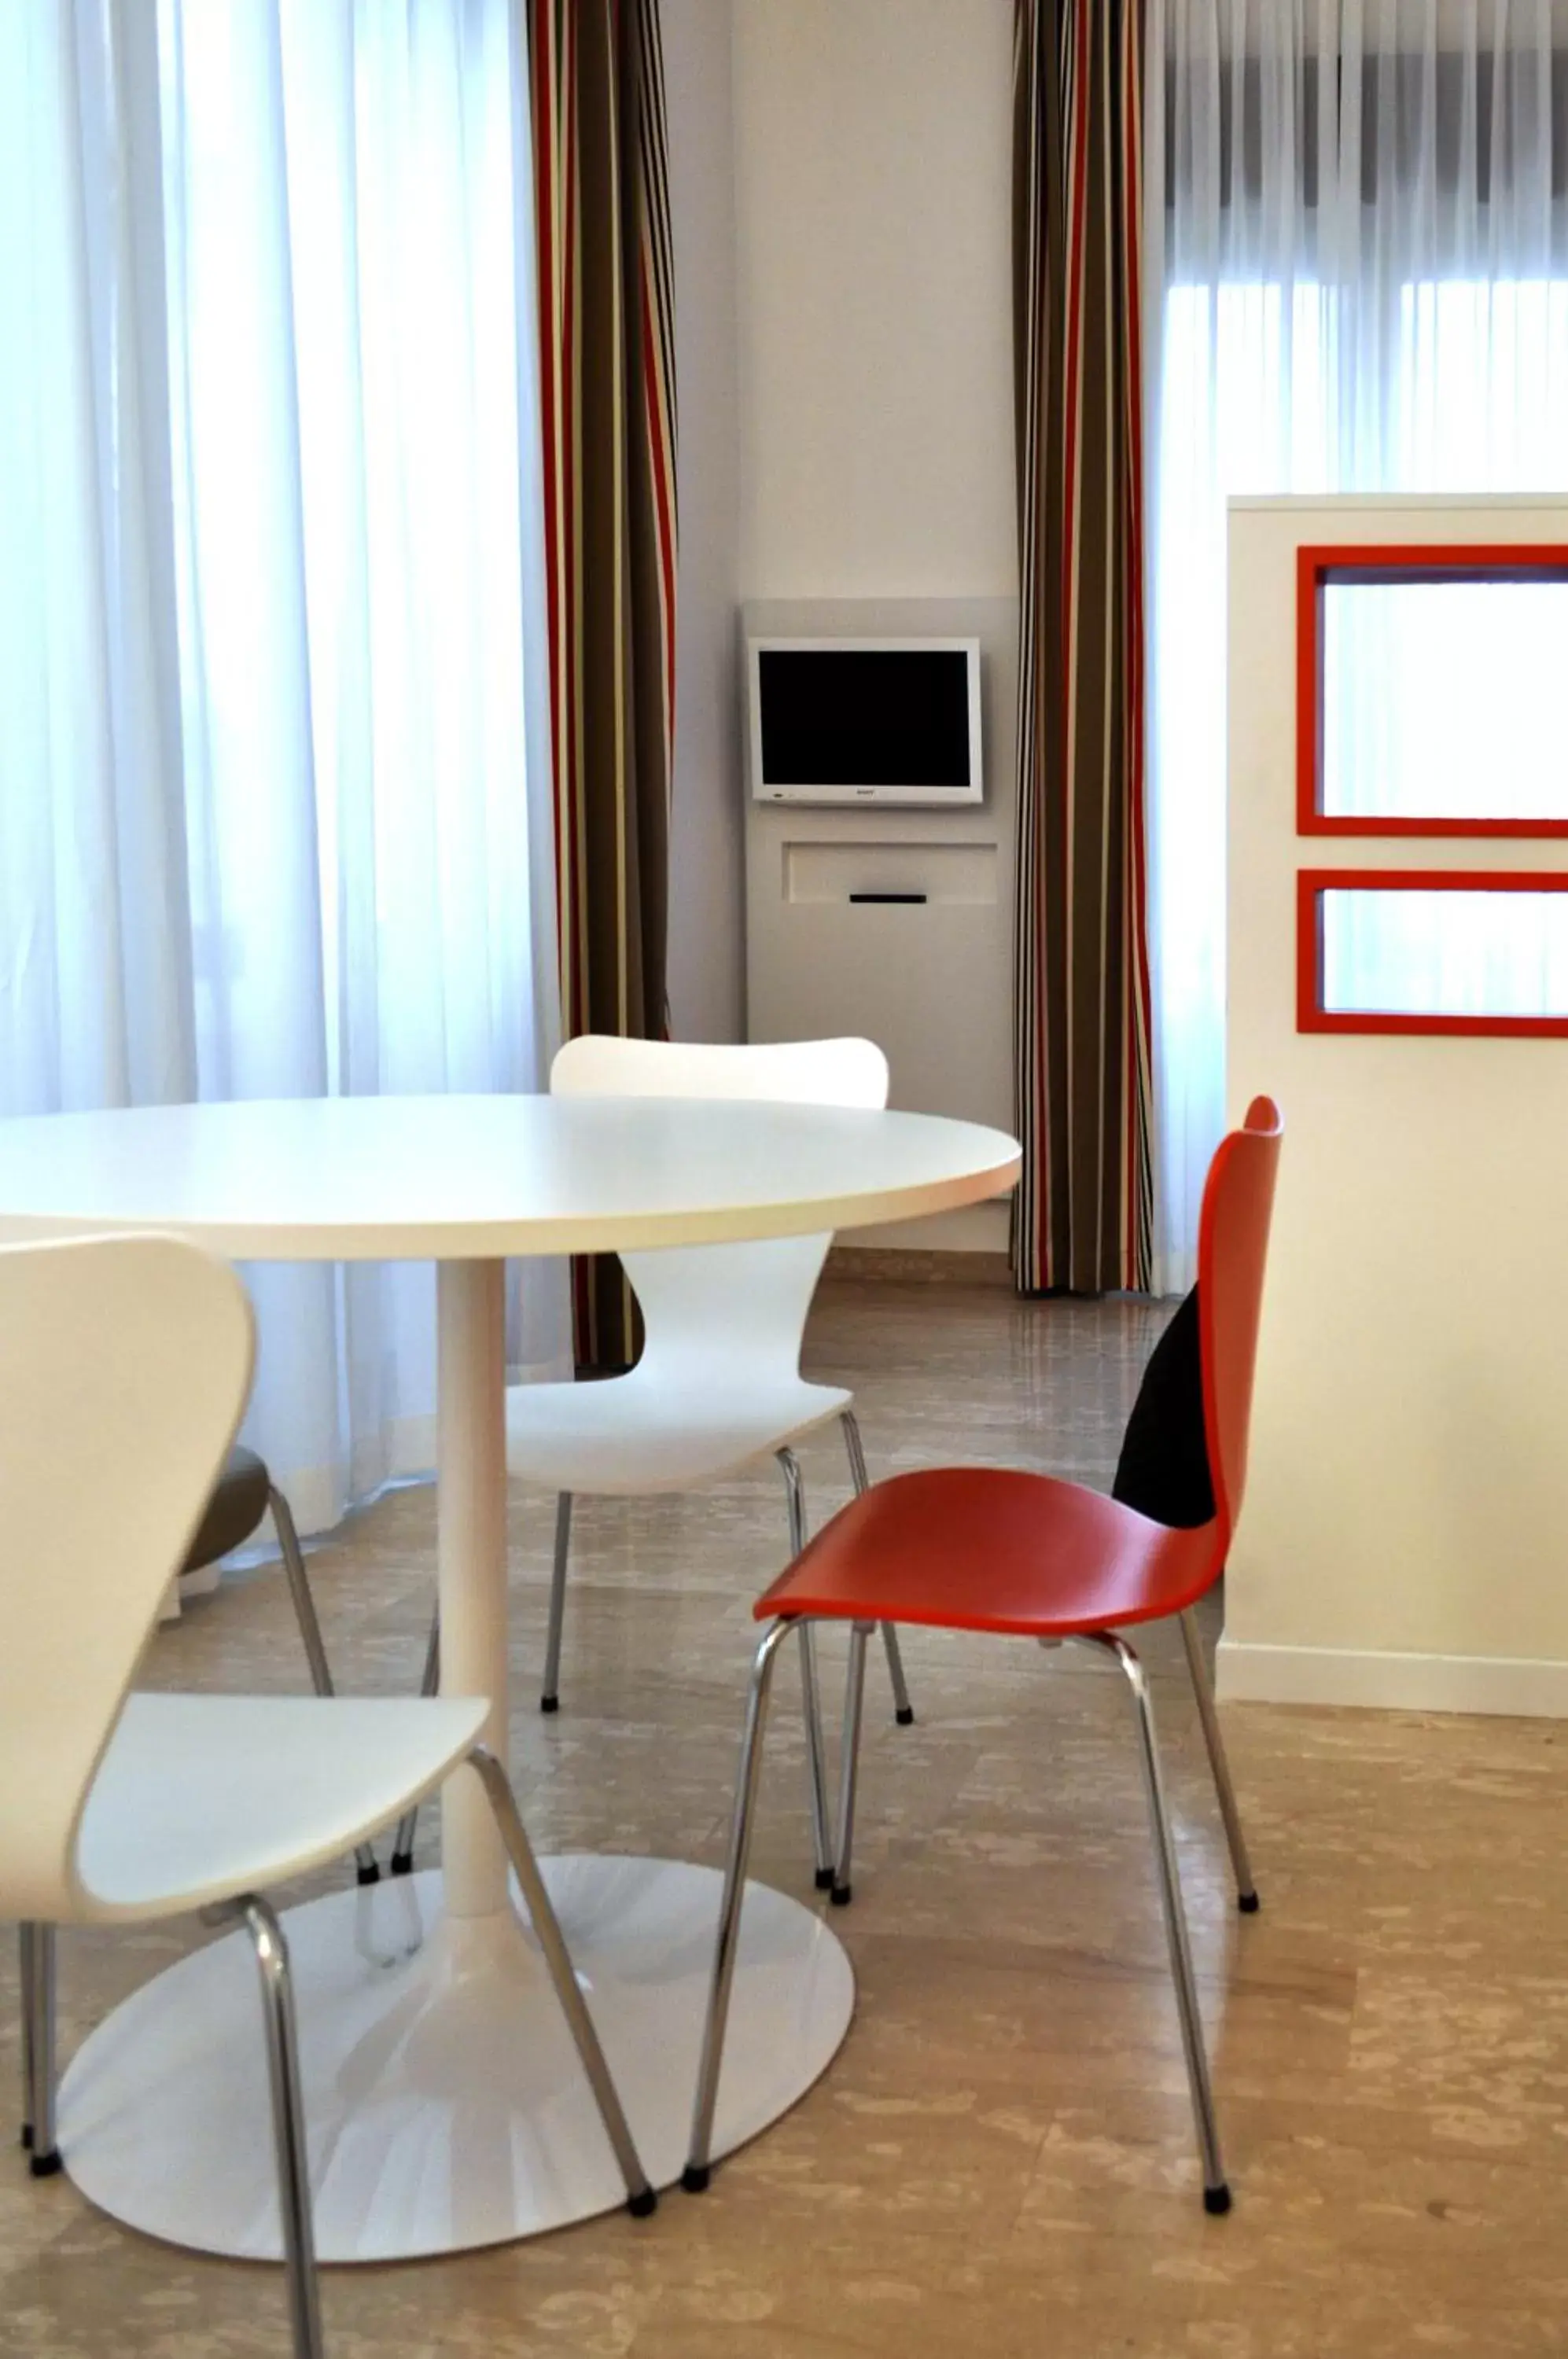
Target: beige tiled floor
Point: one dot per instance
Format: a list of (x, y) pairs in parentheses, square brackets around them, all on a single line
[(1000, 2160)]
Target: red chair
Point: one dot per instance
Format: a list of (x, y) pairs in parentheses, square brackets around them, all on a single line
[(1026, 1555)]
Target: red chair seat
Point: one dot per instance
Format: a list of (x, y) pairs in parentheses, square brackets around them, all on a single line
[(982, 1547)]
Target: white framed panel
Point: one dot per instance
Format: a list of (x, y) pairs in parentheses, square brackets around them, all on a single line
[(1408, 1488)]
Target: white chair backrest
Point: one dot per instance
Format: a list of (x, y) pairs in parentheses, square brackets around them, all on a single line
[(732, 1310), (125, 1364)]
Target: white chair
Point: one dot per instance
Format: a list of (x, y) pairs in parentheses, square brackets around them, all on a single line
[(133, 1354), (719, 1380)]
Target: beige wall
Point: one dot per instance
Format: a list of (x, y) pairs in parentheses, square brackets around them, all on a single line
[(840, 193), (1403, 1538), (872, 144)]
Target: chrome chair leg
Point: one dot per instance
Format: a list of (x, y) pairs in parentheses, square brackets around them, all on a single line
[(299, 1591), (407, 1825), (1216, 2194), (44, 2160), (640, 2196), (287, 2125), (698, 2167), (849, 1759), (903, 1710), (310, 1633), (38, 1960), (811, 1700), (1246, 1889), (25, 1993), (550, 1700), (854, 1450)]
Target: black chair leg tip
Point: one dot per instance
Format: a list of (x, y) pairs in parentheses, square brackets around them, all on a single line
[(402, 1862), (640, 2205), (695, 2177), (1248, 1903), (28, 2136), (906, 1716), (824, 1879), (1217, 2199), (842, 1894), (368, 1875), (549, 1703), (44, 2166)]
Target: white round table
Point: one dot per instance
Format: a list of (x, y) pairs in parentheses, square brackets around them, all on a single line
[(446, 2109)]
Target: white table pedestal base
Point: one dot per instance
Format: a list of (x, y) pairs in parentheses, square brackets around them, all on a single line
[(445, 2103)]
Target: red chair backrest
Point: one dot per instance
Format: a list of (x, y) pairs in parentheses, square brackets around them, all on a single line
[(1233, 1249)]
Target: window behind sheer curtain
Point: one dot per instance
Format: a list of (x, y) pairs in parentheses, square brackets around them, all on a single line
[(1358, 237), (273, 751), (340, 194)]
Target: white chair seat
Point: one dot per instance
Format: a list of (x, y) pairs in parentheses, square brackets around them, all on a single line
[(202, 1795), (628, 1435)]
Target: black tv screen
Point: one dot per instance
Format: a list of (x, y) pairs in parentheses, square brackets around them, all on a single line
[(864, 719)]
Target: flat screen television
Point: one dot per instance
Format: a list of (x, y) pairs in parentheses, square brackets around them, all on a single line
[(864, 721)]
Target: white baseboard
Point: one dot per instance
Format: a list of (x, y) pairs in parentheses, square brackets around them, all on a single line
[(1390, 1683)]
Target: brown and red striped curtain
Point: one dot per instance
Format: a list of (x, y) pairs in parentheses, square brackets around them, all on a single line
[(608, 371), (1085, 1214)]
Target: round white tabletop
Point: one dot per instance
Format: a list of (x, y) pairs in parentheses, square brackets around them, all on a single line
[(455, 1178), (444, 2107)]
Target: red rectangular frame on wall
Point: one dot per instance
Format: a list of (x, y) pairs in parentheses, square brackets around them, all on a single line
[(1312, 1015), (1400, 561)]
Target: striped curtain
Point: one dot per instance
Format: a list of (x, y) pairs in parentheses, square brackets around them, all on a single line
[(1083, 1217), (607, 355)]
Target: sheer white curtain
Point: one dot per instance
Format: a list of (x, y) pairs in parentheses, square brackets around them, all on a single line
[(1358, 264), (274, 811)]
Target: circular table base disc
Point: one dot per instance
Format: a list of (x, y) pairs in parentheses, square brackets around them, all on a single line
[(445, 2103)]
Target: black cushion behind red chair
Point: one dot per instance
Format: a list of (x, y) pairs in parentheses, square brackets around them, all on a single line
[(1163, 1470)]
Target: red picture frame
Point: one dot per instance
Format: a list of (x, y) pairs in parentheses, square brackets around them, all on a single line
[(1311, 1013), (1402, 561)]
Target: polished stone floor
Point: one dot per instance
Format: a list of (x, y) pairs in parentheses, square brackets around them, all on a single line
[(1000, 2160)]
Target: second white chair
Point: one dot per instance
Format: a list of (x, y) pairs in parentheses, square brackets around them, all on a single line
[(719, 1381)]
